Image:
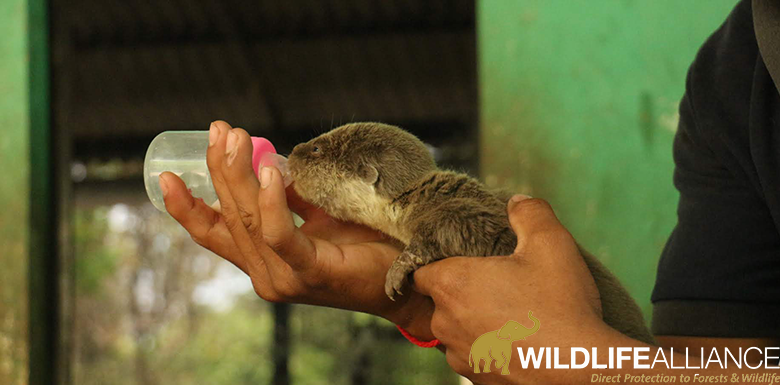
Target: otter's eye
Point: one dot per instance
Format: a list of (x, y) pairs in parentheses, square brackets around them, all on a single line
[(315, 150)]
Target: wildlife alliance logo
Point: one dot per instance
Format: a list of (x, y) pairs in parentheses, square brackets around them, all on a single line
[(496, 345)]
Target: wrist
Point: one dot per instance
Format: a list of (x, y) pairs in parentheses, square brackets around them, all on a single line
[(414, 316)]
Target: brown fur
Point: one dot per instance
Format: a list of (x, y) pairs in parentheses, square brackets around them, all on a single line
[(384, 177)]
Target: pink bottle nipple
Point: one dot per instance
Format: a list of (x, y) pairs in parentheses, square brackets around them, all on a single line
[(261, 146)]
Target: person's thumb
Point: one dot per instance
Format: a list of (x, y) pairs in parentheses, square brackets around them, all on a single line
[(279, 230), (530, 217)]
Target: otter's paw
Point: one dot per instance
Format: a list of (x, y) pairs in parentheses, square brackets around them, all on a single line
[(397, 277)]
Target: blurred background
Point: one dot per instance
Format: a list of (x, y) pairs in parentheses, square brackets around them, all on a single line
[(571, 101)]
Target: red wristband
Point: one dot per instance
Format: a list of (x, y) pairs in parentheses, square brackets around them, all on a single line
[(430, 344)]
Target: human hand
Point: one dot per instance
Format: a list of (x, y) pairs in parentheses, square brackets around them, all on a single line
[(546, 275), (325, 262)]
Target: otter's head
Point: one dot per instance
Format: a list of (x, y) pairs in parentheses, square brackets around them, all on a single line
[(347, 169)]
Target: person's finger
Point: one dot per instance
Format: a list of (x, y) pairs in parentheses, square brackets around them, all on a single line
[(244, 187), (440, 279), (200, 220), (279, 230), (529, 216), (242, 183), (215, 156), (425, 279)]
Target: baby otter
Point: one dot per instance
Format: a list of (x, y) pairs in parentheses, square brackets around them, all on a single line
[(384, 177)]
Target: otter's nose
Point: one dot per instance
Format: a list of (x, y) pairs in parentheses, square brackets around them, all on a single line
[(298, 150)]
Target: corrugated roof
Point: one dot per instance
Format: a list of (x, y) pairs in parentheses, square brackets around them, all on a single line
[(131, 69)]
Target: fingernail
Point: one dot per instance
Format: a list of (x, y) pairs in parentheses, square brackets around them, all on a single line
[(213, 135), (519, 198), (163, 186), (265, 177), (230, 147)]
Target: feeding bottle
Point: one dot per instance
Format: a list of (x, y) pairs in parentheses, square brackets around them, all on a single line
[(184, 154)]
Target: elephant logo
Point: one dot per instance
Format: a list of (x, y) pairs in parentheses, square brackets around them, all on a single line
[(497, 345)]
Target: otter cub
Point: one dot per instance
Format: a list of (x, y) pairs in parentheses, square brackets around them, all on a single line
[(384, 177)]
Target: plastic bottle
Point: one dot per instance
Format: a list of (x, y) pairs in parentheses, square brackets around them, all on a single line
[(184, 154)]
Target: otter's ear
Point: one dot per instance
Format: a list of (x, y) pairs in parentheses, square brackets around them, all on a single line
[(368, 174)]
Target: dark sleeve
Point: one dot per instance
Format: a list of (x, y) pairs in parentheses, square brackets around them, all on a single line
[(719, 274)]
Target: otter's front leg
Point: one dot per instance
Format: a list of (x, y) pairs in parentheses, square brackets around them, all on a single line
[(418, 253), (457, 226)]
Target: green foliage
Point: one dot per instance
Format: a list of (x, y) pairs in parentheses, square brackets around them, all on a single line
[(94, 261), (180, 341), (226, 348), (399, 362)]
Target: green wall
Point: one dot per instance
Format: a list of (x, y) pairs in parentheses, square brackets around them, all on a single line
[(14, 191), (579, 106)]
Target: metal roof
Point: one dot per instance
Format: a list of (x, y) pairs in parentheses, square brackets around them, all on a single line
[(127, 70)]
